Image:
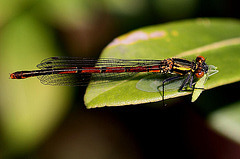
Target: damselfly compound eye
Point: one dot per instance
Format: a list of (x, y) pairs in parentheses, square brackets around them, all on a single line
[(200, 59), (199, 74)]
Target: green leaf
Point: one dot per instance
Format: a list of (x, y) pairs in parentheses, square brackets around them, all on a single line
[(10, 9), (216, 39), (198, 88)]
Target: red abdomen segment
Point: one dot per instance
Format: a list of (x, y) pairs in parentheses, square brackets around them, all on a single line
[(119, 69)]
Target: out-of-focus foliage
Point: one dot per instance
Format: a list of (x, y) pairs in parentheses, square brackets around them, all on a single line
[(28, 110), (226, 121), (172, 9)]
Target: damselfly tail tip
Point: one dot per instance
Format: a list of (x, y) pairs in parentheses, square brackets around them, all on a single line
[(12, 76), (16, 75)]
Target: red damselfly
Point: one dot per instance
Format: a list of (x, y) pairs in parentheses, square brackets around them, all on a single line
[(74, 71)]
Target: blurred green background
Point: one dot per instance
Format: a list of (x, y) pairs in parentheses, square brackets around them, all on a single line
[(38, 121)]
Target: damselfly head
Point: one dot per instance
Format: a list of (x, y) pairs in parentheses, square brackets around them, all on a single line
[(201, 68)]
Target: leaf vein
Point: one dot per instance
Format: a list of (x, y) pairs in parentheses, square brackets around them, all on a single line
[(216, 45)]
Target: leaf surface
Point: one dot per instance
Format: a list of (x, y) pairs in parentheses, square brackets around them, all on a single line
[(216, 39)]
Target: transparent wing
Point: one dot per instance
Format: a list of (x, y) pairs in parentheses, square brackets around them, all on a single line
[(79, 79)]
